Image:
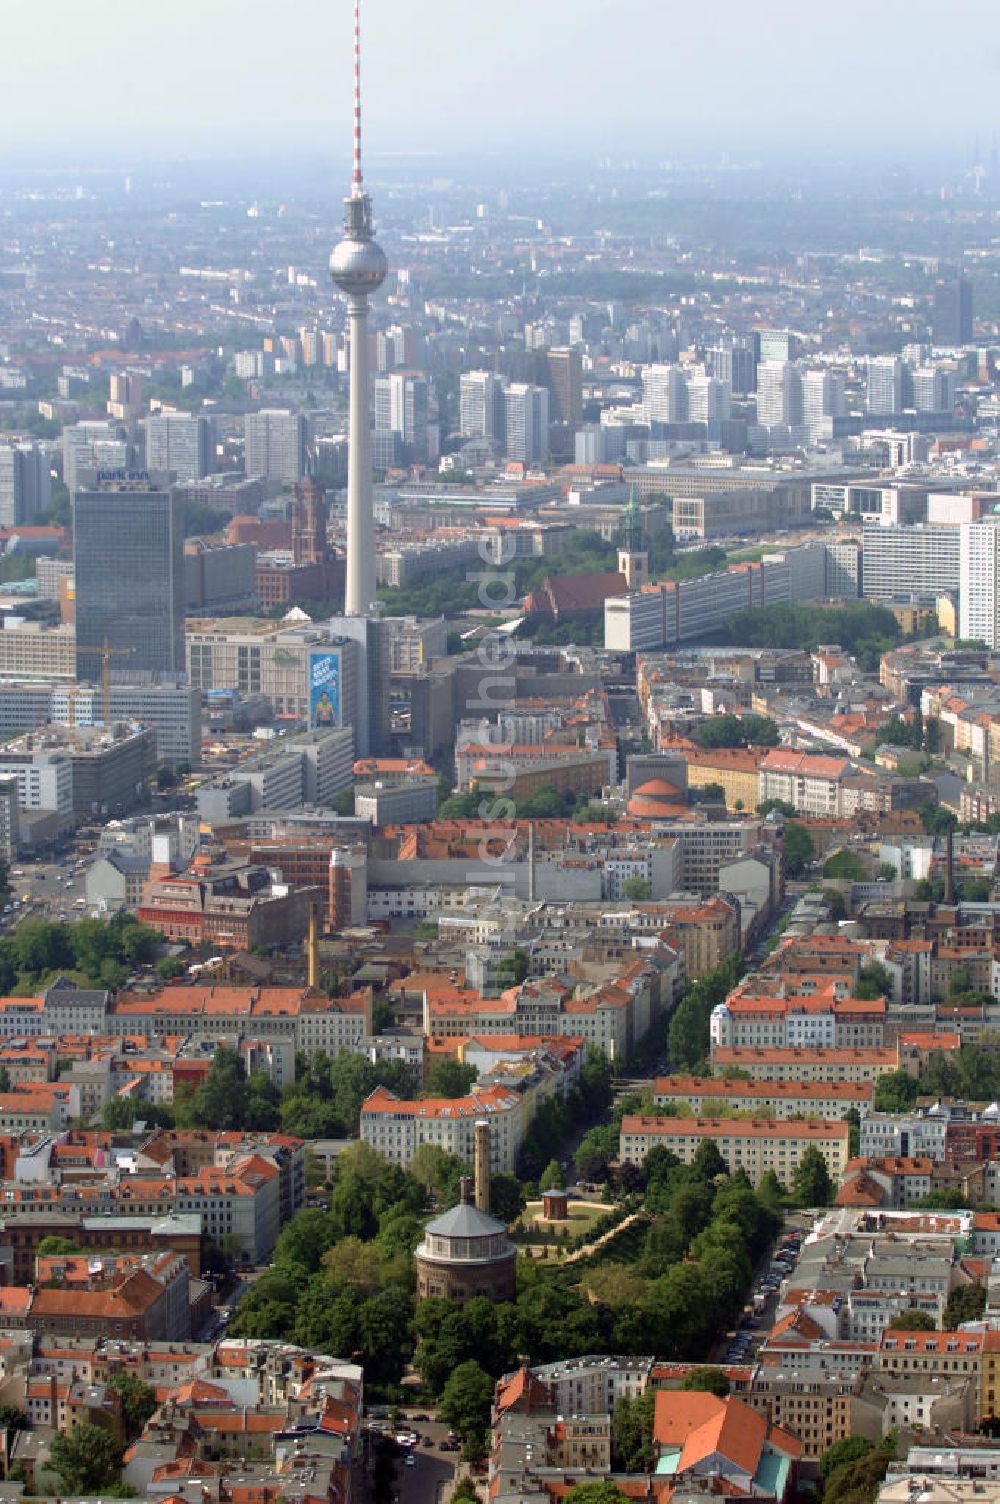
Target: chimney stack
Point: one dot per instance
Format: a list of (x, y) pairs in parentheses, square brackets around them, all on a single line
[(949, 867), (313, 949), (482, 1165), (465, 1190)]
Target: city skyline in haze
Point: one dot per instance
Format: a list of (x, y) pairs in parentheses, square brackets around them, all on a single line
[(587, 76)]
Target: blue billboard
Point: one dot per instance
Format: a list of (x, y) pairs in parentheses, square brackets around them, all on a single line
[(324, 690)]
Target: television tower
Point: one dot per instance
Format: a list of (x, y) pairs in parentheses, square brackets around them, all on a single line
[(358, 267)]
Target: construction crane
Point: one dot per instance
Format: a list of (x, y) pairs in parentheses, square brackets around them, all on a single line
[(107, 652)]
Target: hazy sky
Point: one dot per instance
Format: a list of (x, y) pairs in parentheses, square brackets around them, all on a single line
[(213, 76)]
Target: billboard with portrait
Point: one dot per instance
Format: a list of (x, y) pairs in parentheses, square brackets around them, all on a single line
[(324, 690)]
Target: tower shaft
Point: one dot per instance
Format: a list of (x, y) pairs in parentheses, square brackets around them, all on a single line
[(359, 592)]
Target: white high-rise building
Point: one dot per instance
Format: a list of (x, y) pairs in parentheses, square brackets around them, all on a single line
[(96, 444), (885, 384), (400, 401), (779, 393), (822, 395), (933, 389), (25, 484), (709, 399), (979, 581), (275, 444), (527, 422), (664, 394), (481, 406), (178, 442)]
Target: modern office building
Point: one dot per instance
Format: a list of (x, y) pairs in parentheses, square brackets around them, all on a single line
[(822, 395), (777, 344), (527, 412), (400, 402), (708, 399), (979, 581), (9, 818), (910, 563), (664, 394), (275, 445), (885, 384), (307, 769), (933, 389), (779, 393), (693, 610), (178, 442), (565, 385), (25, 486), (170, 708), (844, 569), (482, 406), (128, 552), (93, 445), (370, 719), (951, 323), (736, 365)]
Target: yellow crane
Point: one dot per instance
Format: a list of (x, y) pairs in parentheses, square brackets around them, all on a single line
[(107, 652)]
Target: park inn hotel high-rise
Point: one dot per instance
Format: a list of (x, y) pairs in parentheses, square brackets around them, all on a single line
[(128, 551)]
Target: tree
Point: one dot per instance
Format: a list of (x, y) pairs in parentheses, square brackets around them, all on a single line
[(632, 1434), (304, 1240), (465, 1491), (848, 1449), (597, 1148), (12, 1418), (777, 807), (799, 848), (449, 1077), (138, 1402), (466, 1399), (55, 1246), (838, 908), (874, 981), (844, 865), (507, 1198), (967, 1303), (811, 1185), (87, 1459), (706, 1377), (220, 1101), (119, 1113), (636, 889), (771, 1189), (512, 968), (708, 1162), (170, 967), (552, 1177), (913, 1321), (738, 731), (438, 1171), (604, 1492), (896, 1091), (858, 1482)]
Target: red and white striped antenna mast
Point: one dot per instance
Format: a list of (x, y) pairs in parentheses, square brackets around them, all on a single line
[(356, 187)]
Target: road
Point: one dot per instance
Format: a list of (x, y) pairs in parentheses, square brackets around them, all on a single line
[(433, 1473), (48, 888)]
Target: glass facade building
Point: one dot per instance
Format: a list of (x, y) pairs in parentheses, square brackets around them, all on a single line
[(128, 548)]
